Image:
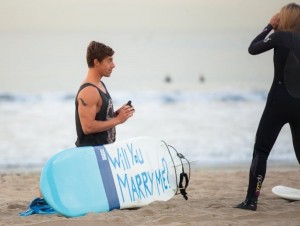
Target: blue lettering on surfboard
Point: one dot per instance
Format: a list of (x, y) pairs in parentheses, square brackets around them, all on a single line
[(150, 176), (141, 185), (145, 184), (126, 158), (124, 185), (137, 186), (136, 155), (121, 160)]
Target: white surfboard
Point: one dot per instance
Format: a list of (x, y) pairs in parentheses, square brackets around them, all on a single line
[(287, 192), (125, 174)]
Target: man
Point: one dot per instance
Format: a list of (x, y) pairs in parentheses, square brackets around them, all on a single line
[(95, 116)]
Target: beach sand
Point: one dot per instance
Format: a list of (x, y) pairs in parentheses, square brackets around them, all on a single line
[(212, 194)]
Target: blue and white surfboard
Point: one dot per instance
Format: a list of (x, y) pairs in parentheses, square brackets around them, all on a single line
[(125, 174)]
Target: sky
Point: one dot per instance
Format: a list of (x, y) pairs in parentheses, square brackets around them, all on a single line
[(78, 15)]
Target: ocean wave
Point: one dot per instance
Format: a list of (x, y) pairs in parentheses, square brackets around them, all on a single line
[(8, 97), (256, 95), (167, 97), (174, 97), (17, 98)]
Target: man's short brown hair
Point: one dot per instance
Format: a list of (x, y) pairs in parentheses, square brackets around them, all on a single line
[(97, 51)]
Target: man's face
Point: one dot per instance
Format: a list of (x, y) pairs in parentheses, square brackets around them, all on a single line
[(106, 66)]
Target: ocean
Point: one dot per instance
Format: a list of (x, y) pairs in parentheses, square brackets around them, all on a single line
[(210, 128)]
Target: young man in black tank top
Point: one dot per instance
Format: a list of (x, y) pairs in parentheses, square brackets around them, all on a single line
[(95, 116)]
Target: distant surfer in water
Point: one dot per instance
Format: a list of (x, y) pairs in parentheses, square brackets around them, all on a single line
[(283, 103), (94, 113)]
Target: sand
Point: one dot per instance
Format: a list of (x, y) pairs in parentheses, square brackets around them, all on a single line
[(212, 194)]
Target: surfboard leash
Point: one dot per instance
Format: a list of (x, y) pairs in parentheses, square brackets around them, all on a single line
[(183, 175), (173, 166)]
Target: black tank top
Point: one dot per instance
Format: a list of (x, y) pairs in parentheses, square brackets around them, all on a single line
[(106, 112)]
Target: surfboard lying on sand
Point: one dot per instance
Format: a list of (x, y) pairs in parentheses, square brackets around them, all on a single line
[(287, 192), (126, 174)]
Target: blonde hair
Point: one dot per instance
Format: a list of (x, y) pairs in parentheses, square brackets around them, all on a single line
[(290, 18)]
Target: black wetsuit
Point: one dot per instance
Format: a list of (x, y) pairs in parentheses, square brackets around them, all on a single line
[(106, 112), (283, 103)]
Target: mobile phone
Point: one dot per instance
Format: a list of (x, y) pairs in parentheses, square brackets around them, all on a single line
[(129, 103)]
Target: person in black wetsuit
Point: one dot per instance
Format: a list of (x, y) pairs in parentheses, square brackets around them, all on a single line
[(283, 103), (94, 113)]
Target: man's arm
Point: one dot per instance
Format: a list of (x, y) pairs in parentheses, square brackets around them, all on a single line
[(89, 103)]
